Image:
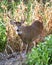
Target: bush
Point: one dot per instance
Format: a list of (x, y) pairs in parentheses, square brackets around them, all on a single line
[(2, 36), (42, 54)]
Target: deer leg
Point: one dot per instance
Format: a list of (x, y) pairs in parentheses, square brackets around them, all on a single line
[(27, 48)]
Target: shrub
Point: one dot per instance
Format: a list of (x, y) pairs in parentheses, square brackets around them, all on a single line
[(42, 54), (2, 36)]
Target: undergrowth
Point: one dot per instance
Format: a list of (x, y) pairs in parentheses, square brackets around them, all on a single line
[(2, 36), (42, 54)]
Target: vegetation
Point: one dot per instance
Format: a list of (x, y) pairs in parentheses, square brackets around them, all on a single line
[(27, 10), (2, 36), (42, 54)]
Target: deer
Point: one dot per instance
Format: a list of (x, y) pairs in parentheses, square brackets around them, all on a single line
[(28, 33)]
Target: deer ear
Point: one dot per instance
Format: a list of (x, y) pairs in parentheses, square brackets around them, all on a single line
[(22, 21), (13, 22)]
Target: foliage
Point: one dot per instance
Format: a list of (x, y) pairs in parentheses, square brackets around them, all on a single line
[(2, 36), (42, 54), (28, 10)]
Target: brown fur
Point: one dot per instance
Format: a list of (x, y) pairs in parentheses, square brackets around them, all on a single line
[(31, 32)]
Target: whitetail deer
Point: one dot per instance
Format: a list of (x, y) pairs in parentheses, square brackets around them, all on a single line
[(28, 33)]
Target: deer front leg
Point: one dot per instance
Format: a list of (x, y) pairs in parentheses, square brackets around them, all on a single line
[(29, 47)]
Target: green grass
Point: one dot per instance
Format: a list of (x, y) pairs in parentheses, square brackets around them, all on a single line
[(2, 36), (42, 54)]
